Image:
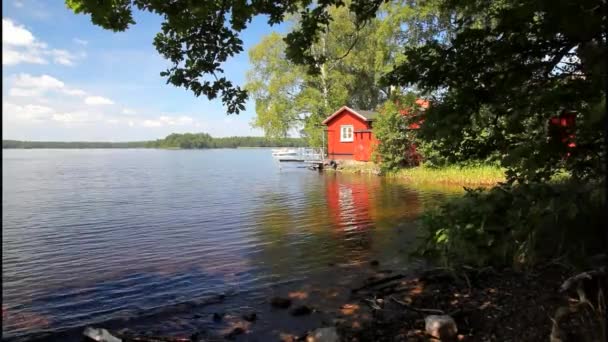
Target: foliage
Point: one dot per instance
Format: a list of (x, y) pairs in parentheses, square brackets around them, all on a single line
[(507, 67), (288, 97), (186, 141), (396, 147), (479, 143), (198, 36), (518, 225)]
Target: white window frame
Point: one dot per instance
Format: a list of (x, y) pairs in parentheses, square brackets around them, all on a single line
[(345, 137)]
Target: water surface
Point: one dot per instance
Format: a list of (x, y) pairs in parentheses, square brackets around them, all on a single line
[(90, 235)]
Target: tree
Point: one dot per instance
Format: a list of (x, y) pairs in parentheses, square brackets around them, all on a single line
[(198, 36), (520, 62), (393, 129), (353, 60)]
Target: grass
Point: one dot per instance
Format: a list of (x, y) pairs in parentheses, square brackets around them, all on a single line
[(449, 175), (469, 175)]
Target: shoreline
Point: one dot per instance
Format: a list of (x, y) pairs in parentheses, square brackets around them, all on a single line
[(451, 175), (377, 304)]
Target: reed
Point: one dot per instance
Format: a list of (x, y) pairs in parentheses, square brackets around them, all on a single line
[(465, 175)]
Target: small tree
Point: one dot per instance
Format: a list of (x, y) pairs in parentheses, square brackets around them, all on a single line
[(394, 130)]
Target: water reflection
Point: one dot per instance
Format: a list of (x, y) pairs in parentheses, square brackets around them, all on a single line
[(90, 234)]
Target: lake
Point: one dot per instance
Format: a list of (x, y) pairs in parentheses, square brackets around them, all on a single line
[(92, 235)]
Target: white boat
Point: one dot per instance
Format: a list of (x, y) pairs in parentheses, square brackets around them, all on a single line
[(297, 154), (284, 152)]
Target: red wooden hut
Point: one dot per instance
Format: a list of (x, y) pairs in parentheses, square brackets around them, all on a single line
[(349, 134)]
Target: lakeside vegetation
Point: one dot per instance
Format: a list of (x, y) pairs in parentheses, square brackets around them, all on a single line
[(462, 175), (172, 141), (471, 175)]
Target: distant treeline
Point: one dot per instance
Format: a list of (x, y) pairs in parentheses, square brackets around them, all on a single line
[(204, 140), (182, 141)]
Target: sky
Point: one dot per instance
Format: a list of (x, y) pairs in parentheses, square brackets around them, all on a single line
[(65, 79)]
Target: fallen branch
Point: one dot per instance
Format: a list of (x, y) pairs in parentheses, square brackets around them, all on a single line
[(379, 282), (575, 280), (420, 310)]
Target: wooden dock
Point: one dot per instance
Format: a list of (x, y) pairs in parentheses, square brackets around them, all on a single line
[(315, 164)]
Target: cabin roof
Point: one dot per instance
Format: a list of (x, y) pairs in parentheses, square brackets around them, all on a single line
[(369, 114), (366, 115)]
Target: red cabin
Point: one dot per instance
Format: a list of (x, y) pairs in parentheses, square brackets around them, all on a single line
[(349, 134)]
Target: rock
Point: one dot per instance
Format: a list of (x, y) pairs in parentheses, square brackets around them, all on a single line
[(282, 303), (288, 338), (217, 317), (100, 335), (234, 333), (441, 327), (250, 317), (196, 337), (374, 263), (197, 316), (328, 334), (301, 311)]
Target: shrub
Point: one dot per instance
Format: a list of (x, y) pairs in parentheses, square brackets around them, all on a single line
[(518, 225)]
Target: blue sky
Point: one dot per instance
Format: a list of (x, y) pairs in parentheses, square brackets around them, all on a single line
[(66, 79)]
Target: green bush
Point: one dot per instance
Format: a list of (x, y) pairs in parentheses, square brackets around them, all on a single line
[(395, 147), (518, 225)]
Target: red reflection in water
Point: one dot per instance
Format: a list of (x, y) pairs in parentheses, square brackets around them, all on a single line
[(348, 203), (23, 320)]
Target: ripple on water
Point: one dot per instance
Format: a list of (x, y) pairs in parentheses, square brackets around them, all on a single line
[(99, 234)]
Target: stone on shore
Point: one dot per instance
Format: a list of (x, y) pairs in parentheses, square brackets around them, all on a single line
[(250, 317), (301, 311), (441, 327), (328, 334), (282, 303), (100, 335)]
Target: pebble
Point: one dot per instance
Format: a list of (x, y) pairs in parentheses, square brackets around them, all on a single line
[(301, 311), (328, 334), (282, 303), (234, 333), (442, 327), (250, 317)]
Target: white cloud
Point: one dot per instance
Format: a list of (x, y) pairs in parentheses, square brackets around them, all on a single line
[(18, 4), (97, 100), (17, 35), (39, 82), (77, 117), (26, 85), (128, 111), (22, 92), (13, 57), (165, 120), (28, 112), (20, 46), (62, 57), (80, 41), (74, 92), (152, 123)]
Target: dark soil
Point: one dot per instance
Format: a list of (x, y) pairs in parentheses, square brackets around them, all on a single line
[(487, 305)]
